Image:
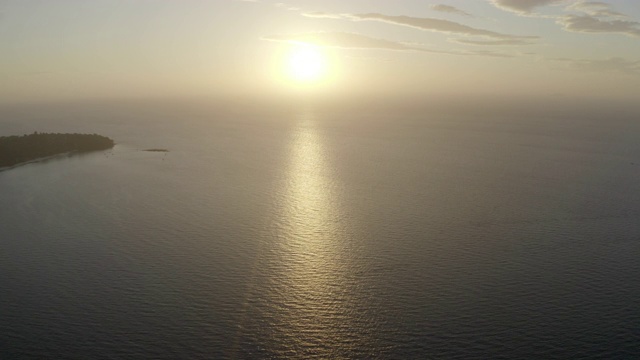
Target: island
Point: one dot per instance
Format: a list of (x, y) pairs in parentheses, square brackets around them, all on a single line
[(15, 150)]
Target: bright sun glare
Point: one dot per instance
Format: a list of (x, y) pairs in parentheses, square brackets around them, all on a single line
[(306, 64)]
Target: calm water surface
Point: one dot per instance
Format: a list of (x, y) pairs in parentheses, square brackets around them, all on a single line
[(322, 234)]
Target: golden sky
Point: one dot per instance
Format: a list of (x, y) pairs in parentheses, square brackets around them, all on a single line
[(73, 49)]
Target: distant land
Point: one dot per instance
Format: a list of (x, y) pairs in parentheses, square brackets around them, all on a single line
[(15, 150)]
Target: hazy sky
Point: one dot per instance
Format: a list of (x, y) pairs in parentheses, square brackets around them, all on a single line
[(67, 49)]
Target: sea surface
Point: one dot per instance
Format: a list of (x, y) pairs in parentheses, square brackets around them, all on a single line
[(302, 232)]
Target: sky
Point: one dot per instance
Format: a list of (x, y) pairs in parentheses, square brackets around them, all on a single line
[(78, 49)]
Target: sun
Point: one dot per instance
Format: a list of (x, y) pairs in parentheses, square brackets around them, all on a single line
[(306, 64)]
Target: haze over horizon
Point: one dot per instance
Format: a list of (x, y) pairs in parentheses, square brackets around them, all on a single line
[(70, 50)]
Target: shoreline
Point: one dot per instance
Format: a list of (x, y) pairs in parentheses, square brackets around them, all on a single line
[(21, 150)]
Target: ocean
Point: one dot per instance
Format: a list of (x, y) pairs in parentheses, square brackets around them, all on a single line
[(314, 232)]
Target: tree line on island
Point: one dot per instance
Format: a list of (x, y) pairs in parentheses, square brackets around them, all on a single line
[(18, 149)]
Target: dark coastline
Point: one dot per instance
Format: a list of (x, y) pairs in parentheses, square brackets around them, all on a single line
[(15, 150), (156, 150)]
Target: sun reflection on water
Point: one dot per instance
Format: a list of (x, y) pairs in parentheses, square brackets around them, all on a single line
[(315, 302)]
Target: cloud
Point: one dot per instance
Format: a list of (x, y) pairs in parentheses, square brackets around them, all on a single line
[(593, 24), (342, 40), (598, 17), (614, 64), (426, 24), (523, 6), (500, 42), (345, 40), (323, 15), (489, 53), (596, 9), (287, 7), (450, 9)]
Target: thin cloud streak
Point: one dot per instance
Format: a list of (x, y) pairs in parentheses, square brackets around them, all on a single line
[(523, 6), (505, 42), (592, 24), (425, 24), (596, 9), (343, 40), (450, 9)]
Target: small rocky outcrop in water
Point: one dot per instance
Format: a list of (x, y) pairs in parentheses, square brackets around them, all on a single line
[(18, 149)]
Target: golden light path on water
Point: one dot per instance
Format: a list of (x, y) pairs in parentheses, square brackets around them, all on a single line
[(313, 293), (305, 299)]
